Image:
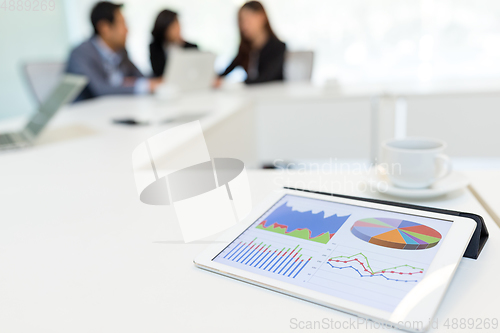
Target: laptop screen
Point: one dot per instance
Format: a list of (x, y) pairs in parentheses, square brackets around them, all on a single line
[(65, 91)]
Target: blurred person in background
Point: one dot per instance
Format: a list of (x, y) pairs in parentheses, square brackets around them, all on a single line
[(166, 34), (261, 53), (103, 58)]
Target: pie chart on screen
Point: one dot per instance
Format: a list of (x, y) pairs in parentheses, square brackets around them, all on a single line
[(396, 234)]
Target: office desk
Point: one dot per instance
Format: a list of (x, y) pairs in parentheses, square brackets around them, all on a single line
[(82, 136), (301, 121), (287, 121), (80, 253), (275, 111)]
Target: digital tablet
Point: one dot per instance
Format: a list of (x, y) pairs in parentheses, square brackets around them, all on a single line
[(384, 263)]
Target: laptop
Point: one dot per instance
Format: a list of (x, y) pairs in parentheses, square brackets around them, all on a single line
[(189, 69), (68, 88)]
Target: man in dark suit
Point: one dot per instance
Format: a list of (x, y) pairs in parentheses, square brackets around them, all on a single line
[(103, 58)]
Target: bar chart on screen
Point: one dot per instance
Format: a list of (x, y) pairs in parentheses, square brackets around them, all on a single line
[(338, 250), (359, 273), (270, 256)]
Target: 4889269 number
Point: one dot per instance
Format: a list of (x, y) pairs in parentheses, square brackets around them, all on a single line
[(471, 323), (27, 5)]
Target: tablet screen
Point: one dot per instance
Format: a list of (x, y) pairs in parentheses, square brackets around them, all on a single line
[(365, 255)]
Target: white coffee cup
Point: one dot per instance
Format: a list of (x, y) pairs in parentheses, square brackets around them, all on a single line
[(415, 162)]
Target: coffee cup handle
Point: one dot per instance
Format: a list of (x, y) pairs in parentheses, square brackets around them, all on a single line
[(445, 163)]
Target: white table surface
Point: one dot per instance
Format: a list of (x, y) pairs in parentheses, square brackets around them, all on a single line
[(80, 253), (82, 136), (335, 89)]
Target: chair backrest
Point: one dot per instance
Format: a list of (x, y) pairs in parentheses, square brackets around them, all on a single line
[(298, 65), (43, 77)]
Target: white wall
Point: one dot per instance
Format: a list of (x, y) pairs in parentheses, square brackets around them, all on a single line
[(320, 130), (469, 123), (313, 129), (27, 36)]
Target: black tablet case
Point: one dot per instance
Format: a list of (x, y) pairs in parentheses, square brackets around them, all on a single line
[(476, 243)]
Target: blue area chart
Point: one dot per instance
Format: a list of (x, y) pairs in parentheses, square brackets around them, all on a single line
[(306, 225)]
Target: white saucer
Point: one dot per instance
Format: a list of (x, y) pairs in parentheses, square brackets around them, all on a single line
[(453, 182)]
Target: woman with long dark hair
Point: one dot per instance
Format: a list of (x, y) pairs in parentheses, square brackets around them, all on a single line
[(261, 53), (166, 33)]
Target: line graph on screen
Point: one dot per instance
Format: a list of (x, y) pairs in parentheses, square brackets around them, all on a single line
[(359, 263)]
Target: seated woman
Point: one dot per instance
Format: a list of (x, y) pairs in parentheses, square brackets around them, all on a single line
[(166, 33), (261, 53)]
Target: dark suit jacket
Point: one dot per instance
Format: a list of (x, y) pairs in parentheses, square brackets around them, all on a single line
[(86, 60), (159, 57), (271, 59)]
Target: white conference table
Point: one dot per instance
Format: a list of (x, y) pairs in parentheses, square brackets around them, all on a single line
[(299, 90), (230, 112), (79, 252), (277, 112)]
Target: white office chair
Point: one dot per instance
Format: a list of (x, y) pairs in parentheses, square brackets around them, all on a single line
[(298, 65), (43, 77)]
